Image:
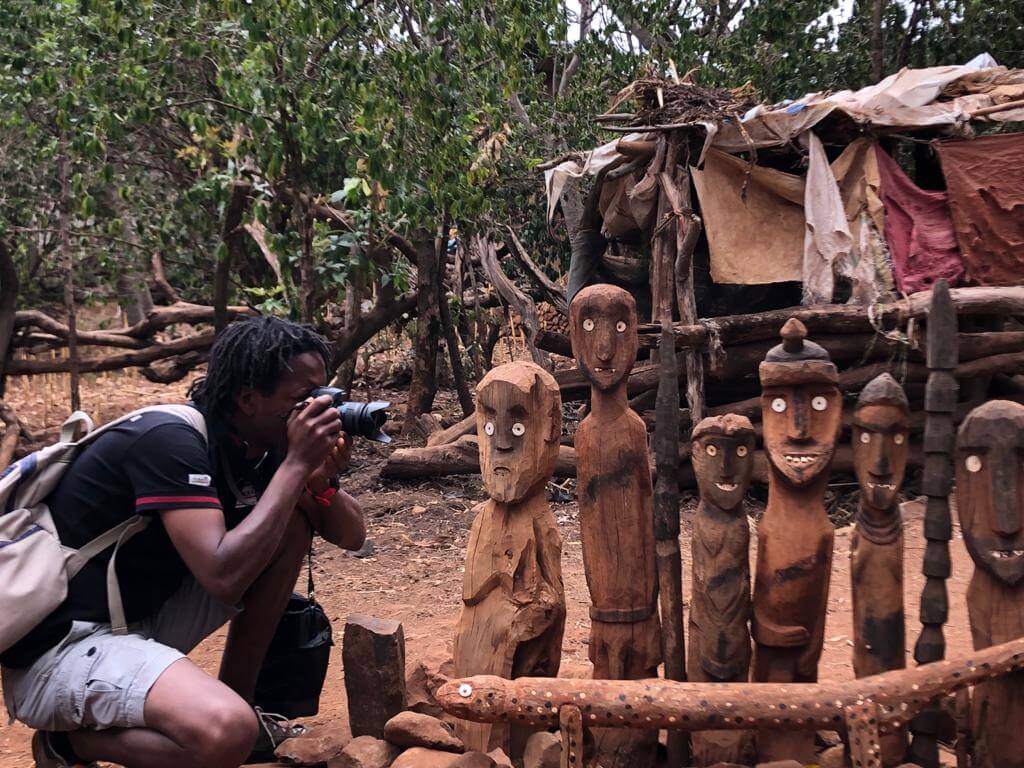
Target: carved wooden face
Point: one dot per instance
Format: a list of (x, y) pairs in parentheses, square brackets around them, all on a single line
[(801, 423), (602, 325), (880, 453), (723, 466), (989, 462), (518, 424)]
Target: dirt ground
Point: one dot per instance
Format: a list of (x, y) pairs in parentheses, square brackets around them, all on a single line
[(419, 532)]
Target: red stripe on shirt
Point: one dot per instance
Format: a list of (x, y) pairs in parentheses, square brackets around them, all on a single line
[(144, 500)]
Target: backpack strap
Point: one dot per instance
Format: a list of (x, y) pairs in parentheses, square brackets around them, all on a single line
[(118, 622), (69, 430)]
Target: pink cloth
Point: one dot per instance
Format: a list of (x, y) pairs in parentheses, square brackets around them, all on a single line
[(918, 229)]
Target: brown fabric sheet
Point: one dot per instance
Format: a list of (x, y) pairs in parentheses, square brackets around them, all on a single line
[(985, 183), (753, 238), (918, 230)]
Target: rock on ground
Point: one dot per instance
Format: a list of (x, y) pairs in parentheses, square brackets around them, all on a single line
[(411, 729), (418, 757), (365, 752), (543, 750), (309, 749)]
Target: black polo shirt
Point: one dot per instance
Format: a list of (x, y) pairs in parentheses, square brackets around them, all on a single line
[(150, 465)]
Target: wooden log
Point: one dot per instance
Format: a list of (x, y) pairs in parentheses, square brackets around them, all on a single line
[(373, 653), (666, 704), (990, 502), (862, 727), (513, 602), (461, 457), (616, 511), (134, 358), (940, 402), (465, 426), (570, 720), (840, 318)]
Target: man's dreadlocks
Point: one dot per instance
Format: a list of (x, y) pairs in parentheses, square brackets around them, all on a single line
[(253, 353)]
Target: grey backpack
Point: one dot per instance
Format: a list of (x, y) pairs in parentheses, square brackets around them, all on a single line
[(35, 567)]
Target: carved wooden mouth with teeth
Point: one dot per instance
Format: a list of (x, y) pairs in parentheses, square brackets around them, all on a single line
[(604, 370), (800, 459), (883, 486), (726, 486), (1007, 554)]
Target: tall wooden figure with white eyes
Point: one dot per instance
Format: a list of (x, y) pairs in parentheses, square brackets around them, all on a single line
[(613, 483), (990, 501), (719, 642), (880, 424), (802, 414), (513, 613)]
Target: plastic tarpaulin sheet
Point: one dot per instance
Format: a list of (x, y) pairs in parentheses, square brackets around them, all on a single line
[(756, 237), (985, 183), (918, 230)]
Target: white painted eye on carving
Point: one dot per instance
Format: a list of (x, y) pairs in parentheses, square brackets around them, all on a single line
[(819, 403), (518, 429), (779, 404), (620, 326), (465, 690), (898, 438), (973, 463), (865, 437), (489, 428), (741, 451), (711, 450), (588, 324)]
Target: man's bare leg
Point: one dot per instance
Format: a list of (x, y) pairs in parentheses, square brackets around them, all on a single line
[(191, 720), (252, 630)]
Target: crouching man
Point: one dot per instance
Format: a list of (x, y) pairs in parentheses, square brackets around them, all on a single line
[(231, 521)]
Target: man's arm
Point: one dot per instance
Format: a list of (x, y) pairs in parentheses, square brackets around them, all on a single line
[(340, 521), (226, 563)]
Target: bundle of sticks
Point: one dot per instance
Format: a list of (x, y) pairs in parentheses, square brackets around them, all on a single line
[(888, 338), (660, 102)]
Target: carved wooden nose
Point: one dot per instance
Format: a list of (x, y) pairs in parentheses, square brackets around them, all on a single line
[(1005, 498)]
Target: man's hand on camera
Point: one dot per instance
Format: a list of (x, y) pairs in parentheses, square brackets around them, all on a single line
[(336, 463), (313, 433)]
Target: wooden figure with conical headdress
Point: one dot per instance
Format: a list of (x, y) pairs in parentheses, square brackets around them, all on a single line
[(802, 415)]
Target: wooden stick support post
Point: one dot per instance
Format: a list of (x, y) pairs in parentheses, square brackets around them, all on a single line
[(513, 614), (940, 401), (616, 511)]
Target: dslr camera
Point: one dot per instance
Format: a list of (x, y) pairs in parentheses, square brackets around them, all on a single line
[(362, 419)]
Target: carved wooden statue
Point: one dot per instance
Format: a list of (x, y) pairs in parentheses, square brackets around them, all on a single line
[(719, 648), (513, 613), (616, 514), (880, 425), (990, 500), (802, 415)]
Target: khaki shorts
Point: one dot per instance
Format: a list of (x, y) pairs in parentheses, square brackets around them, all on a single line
[(93, 679)]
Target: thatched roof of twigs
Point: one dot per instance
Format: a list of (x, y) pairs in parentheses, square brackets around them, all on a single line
[(671, 102)]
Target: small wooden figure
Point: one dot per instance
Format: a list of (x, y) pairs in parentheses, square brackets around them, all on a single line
[(990, 500), (616, 513), (802, 415), (719, 648), (880, 426), (513, 613)]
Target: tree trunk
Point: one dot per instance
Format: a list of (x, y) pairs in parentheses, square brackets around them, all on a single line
[(8, 305), (232, 252), (69, 279), (452, 343), (877, 43), (424, 372)]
